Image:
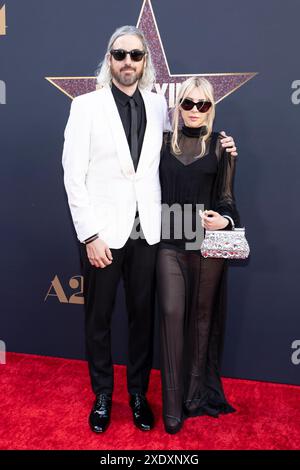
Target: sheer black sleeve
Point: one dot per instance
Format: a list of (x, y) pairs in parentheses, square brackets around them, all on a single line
[(223, 194), (167, 137)]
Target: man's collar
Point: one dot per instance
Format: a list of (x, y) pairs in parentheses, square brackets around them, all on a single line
[(122, 97)]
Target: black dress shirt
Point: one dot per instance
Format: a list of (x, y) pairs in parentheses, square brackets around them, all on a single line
[(122, 102)]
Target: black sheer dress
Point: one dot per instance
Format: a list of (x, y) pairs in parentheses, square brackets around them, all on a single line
[(191, 289)]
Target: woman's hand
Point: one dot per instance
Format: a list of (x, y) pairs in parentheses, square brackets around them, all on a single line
[(212, 220), (229, 144)]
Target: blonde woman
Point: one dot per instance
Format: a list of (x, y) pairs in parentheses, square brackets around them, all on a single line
[(195, 169)]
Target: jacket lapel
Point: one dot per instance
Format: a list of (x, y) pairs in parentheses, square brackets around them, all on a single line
[(148, 132), (117, 129), (120, 140)]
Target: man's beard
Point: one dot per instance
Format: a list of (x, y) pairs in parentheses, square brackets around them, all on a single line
[(126, 80)]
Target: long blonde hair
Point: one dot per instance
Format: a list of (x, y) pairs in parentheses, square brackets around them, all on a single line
[(186, 87)]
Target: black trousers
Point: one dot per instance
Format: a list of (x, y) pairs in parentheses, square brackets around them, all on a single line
[(135, 263)]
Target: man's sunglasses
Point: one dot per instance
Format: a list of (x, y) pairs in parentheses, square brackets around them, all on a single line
[(119, 54), (202, 105)]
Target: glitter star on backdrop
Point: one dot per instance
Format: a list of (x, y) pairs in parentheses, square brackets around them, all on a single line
[(224, 83)]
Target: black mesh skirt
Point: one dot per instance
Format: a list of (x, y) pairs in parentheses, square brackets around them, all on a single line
[(192, 318)]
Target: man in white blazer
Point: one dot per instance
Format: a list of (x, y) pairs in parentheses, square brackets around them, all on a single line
[(111, 173)]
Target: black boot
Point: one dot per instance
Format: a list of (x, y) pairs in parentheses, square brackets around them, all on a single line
[(172, 424), (142, 415), (100, 415)]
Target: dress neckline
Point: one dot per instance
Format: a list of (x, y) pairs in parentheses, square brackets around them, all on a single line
[(194, 131)]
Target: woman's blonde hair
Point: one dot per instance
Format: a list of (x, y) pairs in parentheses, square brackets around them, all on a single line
[(186, 87)]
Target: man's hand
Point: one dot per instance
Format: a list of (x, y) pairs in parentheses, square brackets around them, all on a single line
[(99, 253), (212, 220), (229, 144)]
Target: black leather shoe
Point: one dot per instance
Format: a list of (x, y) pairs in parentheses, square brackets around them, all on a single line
[(142, 415), (100, 415)]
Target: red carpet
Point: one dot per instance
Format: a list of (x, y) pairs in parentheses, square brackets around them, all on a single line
[(45, 403)]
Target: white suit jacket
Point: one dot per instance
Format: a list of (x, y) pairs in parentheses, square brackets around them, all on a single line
[(102, 186)]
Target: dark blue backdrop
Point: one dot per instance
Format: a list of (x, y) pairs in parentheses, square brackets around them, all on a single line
[(68, 38)]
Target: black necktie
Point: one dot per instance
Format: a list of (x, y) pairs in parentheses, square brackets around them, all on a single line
[(134, 133)]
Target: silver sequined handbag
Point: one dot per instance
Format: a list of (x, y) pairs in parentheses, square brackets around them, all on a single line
[(231, 244)]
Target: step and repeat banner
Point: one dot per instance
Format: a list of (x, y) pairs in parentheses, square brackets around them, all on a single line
[(49, 53)]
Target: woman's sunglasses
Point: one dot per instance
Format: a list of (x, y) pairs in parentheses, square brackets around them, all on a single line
[(202, 105), (119, 54)]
